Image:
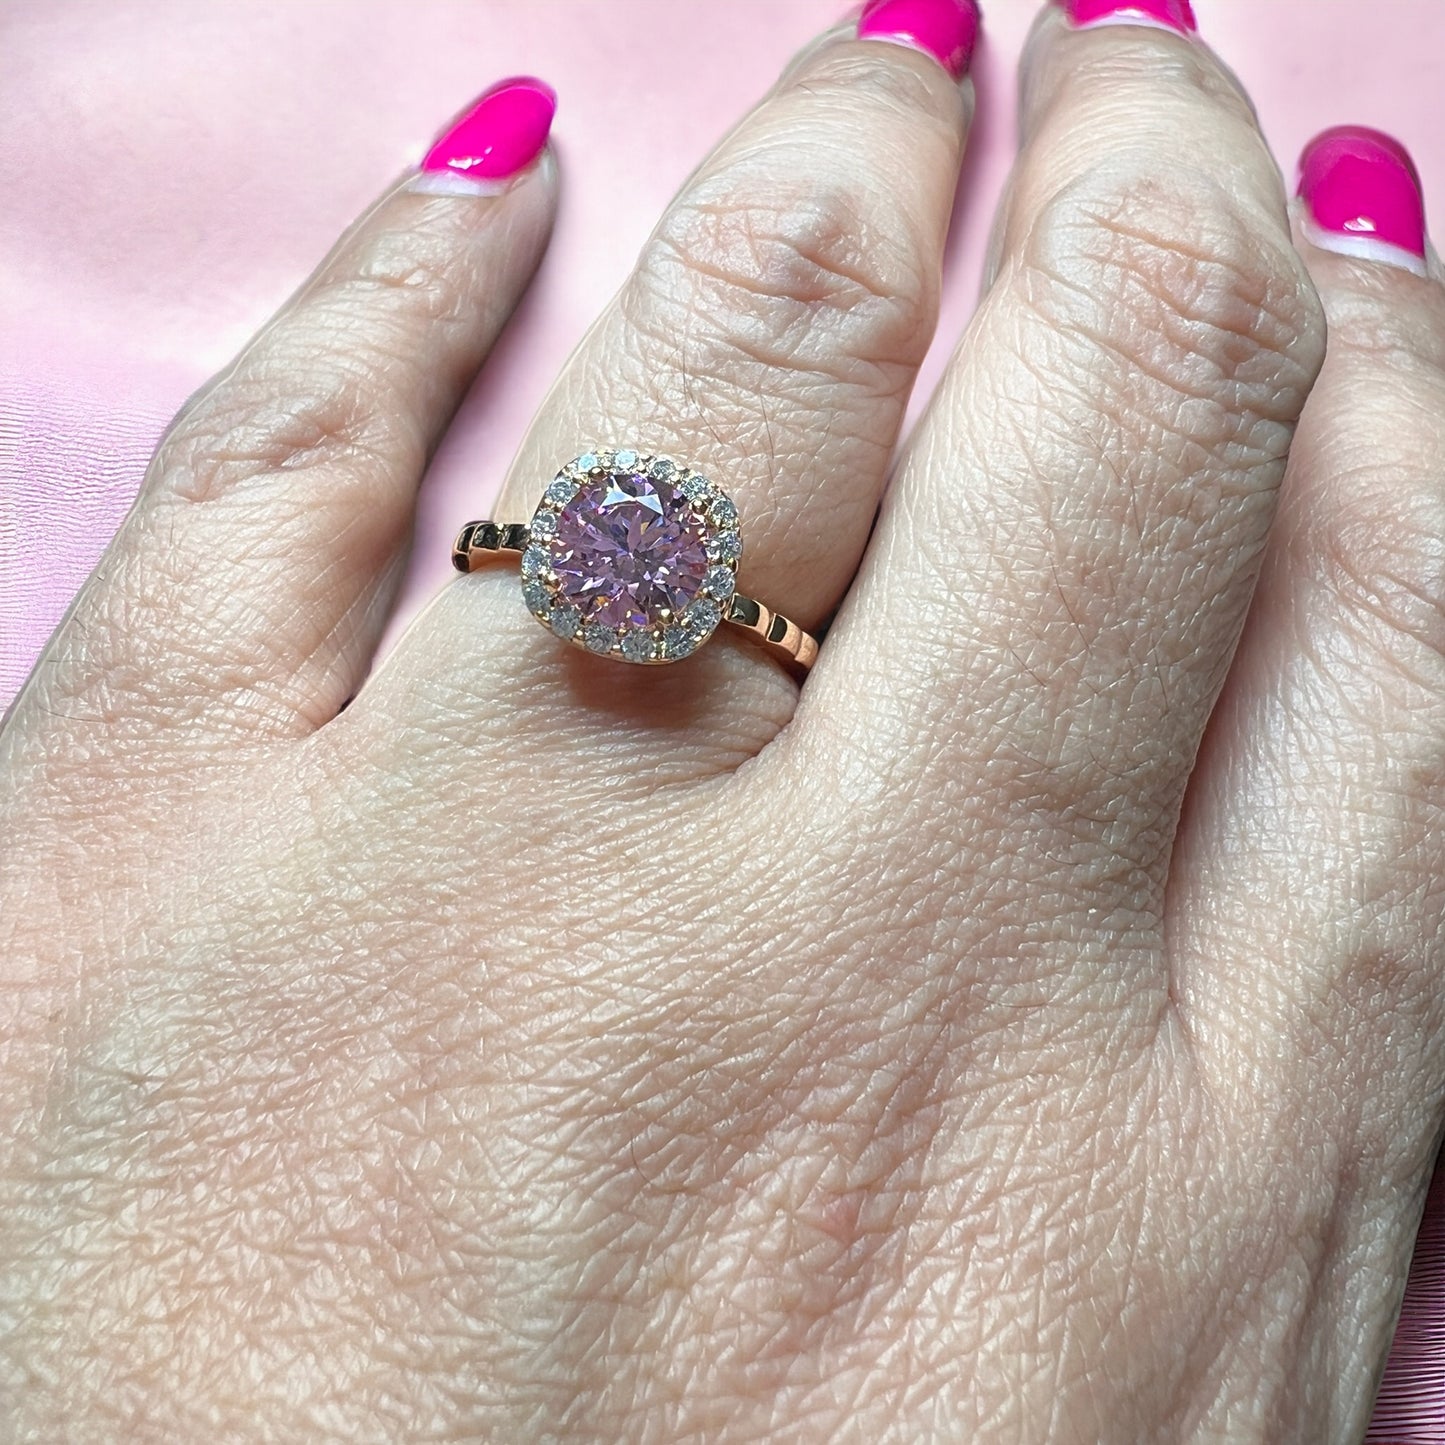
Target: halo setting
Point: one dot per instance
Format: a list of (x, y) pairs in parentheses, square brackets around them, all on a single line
[(631, 556), (634, 556)]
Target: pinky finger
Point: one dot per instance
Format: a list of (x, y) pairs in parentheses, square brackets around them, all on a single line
[(244, 593), (1306, 888)]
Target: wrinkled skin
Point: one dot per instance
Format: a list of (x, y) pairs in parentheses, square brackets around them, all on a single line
[(1029, 1031)]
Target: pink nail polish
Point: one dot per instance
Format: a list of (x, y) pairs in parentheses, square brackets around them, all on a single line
[(1175, 15), (945, 29), (501, 135), (1362, 197)]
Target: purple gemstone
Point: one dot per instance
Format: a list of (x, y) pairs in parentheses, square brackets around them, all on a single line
[(627, 547)]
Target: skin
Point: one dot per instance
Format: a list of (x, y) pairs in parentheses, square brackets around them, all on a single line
[(1029, 1032)]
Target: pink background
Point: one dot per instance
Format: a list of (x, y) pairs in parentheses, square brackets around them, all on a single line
[(171, 169)]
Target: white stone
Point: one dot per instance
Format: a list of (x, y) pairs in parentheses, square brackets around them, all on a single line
[(639, 646), (565, 621)]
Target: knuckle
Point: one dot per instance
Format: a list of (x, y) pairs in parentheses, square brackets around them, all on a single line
[(812, 278), (285, 414), (1136, 73), (410, 275), (1380, 324), (322, 388), (1377, 528), (852, 81), (1180, 289), (1381, 549)]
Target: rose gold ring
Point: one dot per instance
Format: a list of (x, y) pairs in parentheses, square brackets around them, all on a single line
[(635, 557)]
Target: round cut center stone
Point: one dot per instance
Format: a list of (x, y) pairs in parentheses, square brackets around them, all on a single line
[(628, 547)]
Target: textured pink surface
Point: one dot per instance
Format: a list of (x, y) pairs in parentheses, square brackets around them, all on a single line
[(171, 170)]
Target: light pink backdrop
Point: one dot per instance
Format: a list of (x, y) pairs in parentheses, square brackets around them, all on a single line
[(170, 169)]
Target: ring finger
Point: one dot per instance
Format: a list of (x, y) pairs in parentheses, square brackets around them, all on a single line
[(769, 336)]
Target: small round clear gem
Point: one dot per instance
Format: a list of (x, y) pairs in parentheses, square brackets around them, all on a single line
[(564, 621), (721, 582), (598, 638), (561, 490), (544, 525), (535, 561), (727, 548), (724, 514), (639, 646), (680, 641), (703, 615)]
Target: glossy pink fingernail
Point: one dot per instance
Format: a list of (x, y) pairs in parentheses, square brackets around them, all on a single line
[(500, 136), (1362, 197), (945, 29), (1176, 15)]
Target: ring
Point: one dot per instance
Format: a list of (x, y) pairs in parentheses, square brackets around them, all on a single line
[(635, 557)]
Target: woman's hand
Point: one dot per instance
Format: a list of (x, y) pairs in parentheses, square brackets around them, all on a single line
[(1029, 1032)]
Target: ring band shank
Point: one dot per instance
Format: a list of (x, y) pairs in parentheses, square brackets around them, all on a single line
[(776, 631), (477, 539), (479, 542)]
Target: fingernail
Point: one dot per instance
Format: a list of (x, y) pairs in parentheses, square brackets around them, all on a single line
[(945, 29), (1175, 15), (1362, 197), (500, 136)]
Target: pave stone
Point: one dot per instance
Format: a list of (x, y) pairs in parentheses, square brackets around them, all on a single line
[(639, 646)]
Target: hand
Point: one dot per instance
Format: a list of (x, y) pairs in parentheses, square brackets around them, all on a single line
[(1029, 1031)]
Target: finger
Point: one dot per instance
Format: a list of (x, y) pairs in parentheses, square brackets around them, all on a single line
[(246, 589), (769, 336), (1061, 569), (1312, 837)]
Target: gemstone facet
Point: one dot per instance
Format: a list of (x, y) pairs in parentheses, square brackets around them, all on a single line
[(628, 547), (630, 551)]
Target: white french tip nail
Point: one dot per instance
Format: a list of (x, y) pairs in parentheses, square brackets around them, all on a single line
[(1362, 247), (1134, 22), (450, 183)]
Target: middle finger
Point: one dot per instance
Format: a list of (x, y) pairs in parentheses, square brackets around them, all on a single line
[(1062, 569)]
